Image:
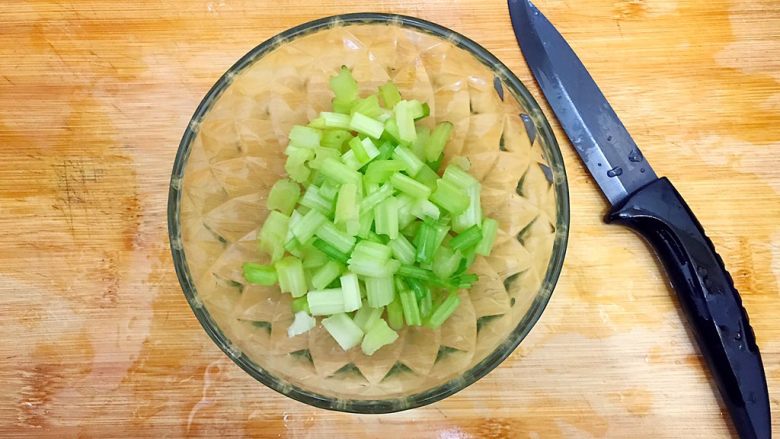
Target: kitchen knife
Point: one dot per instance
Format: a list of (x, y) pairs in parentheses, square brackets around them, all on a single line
[(652, 207)]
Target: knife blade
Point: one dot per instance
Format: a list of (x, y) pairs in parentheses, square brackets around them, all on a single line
[(653, 208)]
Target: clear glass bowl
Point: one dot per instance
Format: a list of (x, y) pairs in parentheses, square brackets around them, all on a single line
[(232, 152)]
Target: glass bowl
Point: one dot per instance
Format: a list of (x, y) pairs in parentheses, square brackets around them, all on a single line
[(232, 153)]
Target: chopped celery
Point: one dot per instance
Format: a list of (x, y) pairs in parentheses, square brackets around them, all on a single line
[(331, 251), (441, 232), (418, 147), (313, 257), (368, 106), (379, 290), (335, 139), (415, 108), (409, 186), (372, 250), (324, 302), (295, 166), (335, 237), (411, 161), (437, 141), (351, 161), (328, 190), (423, 295), (292, 280), (472, 216), (326, 274), (357, 149), (467, 239), (459, 177), (300, 304), (405, 217), (346, 333), (385, 150), (302, 322), (414, 272), (369, 268), (391, 128), (425, 111), (427, 176), (350, 291), (317, 123), (259, 274), (366, 125), (348, 209), (489, 230), (450, 197), (272, 235), (366, 221), (372, 199), (293, 247), (443, 311), (410, 308), (386, 217), (377, 336), (344, 86), (380, 171), (404, 112), (305, 137), (446, 261), (424, 209), (390, 94), (339, 172), (425, 241), (320, 154), (367, 316), (395, 314), (313, 200), (305, 228), (335, 120), (283, 196), (402, 250)]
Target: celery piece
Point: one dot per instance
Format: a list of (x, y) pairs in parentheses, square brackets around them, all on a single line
[(410, 186), (357, 148), (405, 217), (379, 290), (410, 231), (371, 250), (313, 257), (335, 120), (438, 141), (366, 316), (404, 117), (402, 250), (450, 197), (443, 311), (294, 219), (339, 172), (294, 248), (366, 221), (464, 280), (386, 217), (305, 228), (326, 274), (292, 280), (300, 304), (436, 164), (302, 323), (342, 106), (425, 241), (328, 190), (370, 148), (371, 200), (441, 231), (424, 209), (377, 336), (390, 94), (446, 262), (313, 200), (427, 176), (415, 272), (458, 176), (423, 295), (331, 251), (385, 150), (489, 231), (348, 209), (324, 302), (395, 314), (350, 290), (415, 108), (351, 161), (317, 123), (305, 137), (335, 237), (425, 111), (412, 162), (366, 125), (259, 274), (295, 166), (418, 147), (335, 139), (271, 237), (410, 308), (344, 85), (469, 238), (391, 128), (368, 106), (380, 171), (283, 196), (346, 333), (369, 268), (472, 216), (320, 154)]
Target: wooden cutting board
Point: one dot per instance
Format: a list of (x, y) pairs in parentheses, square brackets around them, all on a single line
[(96, 339)]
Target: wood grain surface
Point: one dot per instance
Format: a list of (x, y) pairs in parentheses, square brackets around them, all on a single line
[(96, 339)]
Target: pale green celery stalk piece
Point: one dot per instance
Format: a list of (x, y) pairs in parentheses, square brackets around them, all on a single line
[(372, 199), (344, 85), (369, 268), (442, 312), (339, 172), (348, 209), (404, 118), (313, 200), (391, 128), (302, 322), (410, 308), (450, 197), (411, 161), (410, 186), (305, 137), (368, 106), (380, 171), (366, 316), (350, 290), (335, 237), (425, 243), (259, 274), (293, 247), (415, 108), (357, 148), (467, 239), (324, 302), (366, 221), (405, 217), (378, 335), (346, 333), (329, 190), (446, 262), (351, 161), (366, 125), (317, 123), (390, 95), (305, 228), (402, 249), (271, 237), (292, 280), (386, 218), (283, 196), (296, 216), (427, 176), (320, 154), (472, 216), (437, 141), (335, 120), (418, 147), (295, 166), (326, 274), (395, 314), (423, 209), (441, 233), (335, 138), (371, 250), (379, 291), (458, 176), (300, 304), (370, 148), (312, 257), (489, 231)]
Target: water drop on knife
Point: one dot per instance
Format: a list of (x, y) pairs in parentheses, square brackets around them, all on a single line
[(615, 172)]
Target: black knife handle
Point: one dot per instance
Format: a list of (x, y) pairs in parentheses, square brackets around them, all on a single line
[(707, 294)]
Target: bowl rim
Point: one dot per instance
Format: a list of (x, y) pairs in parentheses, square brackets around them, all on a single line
[(494, 358)]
